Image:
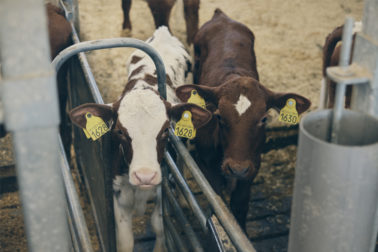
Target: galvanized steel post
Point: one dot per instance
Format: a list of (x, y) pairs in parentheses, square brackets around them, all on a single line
[(365, 97), (31, 113)]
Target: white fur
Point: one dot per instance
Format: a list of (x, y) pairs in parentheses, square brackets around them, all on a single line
[(143, 114), (242, 104), (127, 200), (173, 54)]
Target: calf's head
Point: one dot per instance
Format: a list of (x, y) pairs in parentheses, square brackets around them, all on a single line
[(139, 123), (239, 114)]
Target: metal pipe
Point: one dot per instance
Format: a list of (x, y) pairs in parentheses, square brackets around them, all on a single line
[(340, 88), (31, 113), (227, 220), (179, 244), (75, 209), (112, 43), (87, 70), (192, 237), (186, 191)]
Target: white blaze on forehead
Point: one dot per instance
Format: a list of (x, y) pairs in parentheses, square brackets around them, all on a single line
[(143, 114), (242, 104)]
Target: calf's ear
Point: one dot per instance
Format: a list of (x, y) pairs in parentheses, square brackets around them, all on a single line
[(278, 101), (208, 93), (77, 114), (200, 116)]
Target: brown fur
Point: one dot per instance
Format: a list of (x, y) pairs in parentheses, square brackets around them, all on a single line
[(161, 11), (59, 30), (331, 56), (229, 146)]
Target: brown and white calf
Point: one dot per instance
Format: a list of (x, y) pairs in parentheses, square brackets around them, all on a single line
[(229, 146), (161, 10), (140, 119), (331, 56)]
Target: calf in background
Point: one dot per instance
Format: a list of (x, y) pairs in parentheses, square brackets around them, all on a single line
[(229, 146), (331, 56), (161, 11), (140, 120)]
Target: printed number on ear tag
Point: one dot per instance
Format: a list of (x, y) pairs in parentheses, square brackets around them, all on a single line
[(184, 127), (95, 127), (195, 98), (289, 114)]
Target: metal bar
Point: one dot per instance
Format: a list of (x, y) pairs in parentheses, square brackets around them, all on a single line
[(112, 43), (31, 113), (365, 53), (87, 71), (227, 220), (75, 209), (186, 191), (340, 88), (192, 237), (176, 237)]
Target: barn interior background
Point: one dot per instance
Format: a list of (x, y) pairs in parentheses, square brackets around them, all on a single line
[(289, 40)]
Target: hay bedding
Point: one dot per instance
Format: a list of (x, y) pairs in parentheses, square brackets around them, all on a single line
[(289, 37)]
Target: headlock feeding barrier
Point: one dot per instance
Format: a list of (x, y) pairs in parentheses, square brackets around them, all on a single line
[(335, 191)]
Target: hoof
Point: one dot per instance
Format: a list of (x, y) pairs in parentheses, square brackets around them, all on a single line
[(126, 33)]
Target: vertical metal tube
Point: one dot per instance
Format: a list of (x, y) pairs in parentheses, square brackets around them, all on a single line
[(335, 199), (340, 88), (75, 210), (31, 113)]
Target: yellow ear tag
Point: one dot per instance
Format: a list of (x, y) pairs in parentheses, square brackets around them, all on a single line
[(86, 133), (289, 114), (196, 99), (95, 127), (184, 127)]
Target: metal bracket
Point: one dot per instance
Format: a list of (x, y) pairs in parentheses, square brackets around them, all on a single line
[(353, 74)]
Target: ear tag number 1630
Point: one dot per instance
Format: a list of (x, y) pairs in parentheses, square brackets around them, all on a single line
[(95, 127), (289, 114)]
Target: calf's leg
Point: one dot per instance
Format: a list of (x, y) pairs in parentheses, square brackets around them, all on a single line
[(123, 201), (157, 224), (161, 10), (126, 5), (191, 17)]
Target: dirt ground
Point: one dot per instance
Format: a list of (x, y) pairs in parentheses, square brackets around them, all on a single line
[(289, 37)]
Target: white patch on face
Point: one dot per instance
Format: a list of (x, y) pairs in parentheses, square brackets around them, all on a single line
[(143, 114), (242, 104)]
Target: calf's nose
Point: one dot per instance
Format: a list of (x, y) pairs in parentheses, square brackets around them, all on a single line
[(240, 172), (145, 178)]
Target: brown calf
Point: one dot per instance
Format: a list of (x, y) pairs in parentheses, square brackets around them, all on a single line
[(229, 146), (161, 10), (60, 37)]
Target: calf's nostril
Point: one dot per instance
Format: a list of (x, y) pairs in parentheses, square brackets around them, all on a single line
[(145, 178)]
